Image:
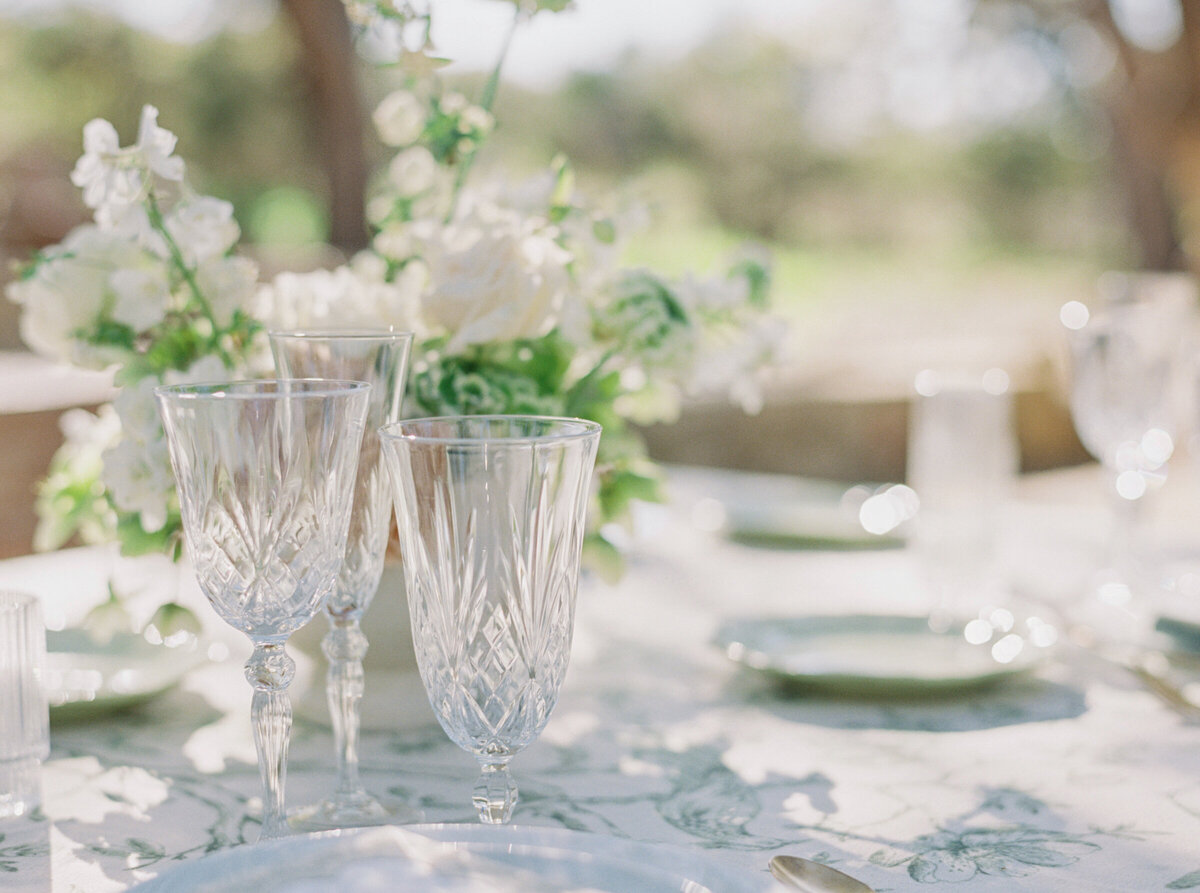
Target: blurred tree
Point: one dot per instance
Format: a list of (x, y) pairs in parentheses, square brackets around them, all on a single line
[(1153, 99), (335, 113), (1148, 85)]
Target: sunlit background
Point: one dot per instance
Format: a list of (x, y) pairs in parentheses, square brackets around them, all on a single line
[(933, 178)]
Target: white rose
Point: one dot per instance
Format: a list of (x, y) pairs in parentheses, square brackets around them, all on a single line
[(399, 119), (413, 171), (494, 276), (344, 297), (203, 227)]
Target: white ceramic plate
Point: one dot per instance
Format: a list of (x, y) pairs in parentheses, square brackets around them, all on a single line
[(784, 510), (866, 654), (85, 678), (455, 859)]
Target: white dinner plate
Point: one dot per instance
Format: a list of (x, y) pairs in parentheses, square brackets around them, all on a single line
[(866, 654), (86, 678), (786, 511), (455, 859)]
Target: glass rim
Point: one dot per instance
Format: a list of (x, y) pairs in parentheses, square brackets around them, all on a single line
[(569, 429), (256, 389), (350, 333)]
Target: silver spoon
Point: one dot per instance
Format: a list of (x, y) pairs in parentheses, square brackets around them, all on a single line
[(804, 874)]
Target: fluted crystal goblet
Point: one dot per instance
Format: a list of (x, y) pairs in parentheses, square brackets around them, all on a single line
[(491, 513), (265, 473), (379, 357)]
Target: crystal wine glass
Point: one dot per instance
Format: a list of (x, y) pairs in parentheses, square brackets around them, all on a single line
[(491, 517), (381, 358), (265, 472), (1126, 357)]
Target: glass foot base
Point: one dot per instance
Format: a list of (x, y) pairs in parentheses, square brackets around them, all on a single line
[(355, 812)]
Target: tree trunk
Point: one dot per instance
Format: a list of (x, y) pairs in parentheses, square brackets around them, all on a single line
[(1152, 106), (337, 118)]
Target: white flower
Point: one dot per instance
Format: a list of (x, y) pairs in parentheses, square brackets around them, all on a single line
[(101, 172), (138, 478), (68, 292), (155, 145), (413, 171), (208, 368), (346, 296), (494, 276), (136, 408), (203, 227), (453, 103), (476, 119), (113, 178), (141, 296), (394, 241), (228, 284), (399, 118)]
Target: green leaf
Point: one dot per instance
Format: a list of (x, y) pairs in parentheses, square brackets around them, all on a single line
[(1189, 881), (137, 541)]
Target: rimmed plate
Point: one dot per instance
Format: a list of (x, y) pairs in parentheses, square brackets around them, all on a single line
[(85, 678), (785, 511), (866, 654), (455, 859)]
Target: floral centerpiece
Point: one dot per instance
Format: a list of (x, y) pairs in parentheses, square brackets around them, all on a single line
[(516, 292)]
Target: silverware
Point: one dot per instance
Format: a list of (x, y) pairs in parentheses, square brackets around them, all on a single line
[(804, 874)]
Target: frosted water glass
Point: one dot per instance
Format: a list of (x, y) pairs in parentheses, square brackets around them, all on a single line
[(24, 715), (265, 473), (962, 460), (491, 513)]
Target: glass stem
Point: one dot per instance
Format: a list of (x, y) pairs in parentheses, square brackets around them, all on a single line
[(495, 793), (270, 670), (345, 646), (1126, 518)]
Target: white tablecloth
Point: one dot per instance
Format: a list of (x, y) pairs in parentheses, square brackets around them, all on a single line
[(1073, 779)]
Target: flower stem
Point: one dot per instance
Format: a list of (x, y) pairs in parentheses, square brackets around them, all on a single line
[(486, 100), (188, 274)]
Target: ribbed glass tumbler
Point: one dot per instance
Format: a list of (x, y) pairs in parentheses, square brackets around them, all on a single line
[(265, 472), (379, 357), (491, 513), (24, 716)]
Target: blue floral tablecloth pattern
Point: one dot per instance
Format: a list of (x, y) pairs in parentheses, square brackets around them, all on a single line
[(1072, 779)]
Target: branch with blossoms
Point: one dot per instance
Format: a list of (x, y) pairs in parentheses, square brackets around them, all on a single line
[(150, 289), (516, 291)]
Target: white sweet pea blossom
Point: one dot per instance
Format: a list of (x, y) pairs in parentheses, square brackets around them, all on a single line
[(138, 478), (203, 227), (113, 178), (68, 293), (141, 296), (399, 118), (493, 275), (137, 468), (228, 284)]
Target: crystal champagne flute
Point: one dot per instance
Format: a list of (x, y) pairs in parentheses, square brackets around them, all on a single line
[(491, 513), (265, 472), (379, 357)]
